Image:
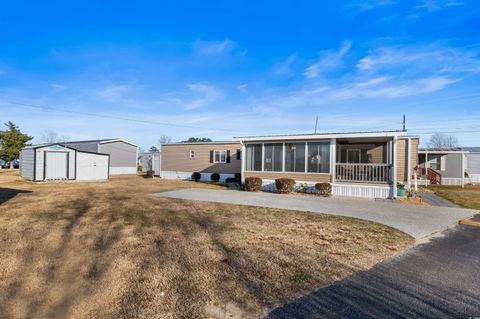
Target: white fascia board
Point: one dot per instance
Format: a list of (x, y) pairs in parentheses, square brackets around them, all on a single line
[(118, 140), (442, 152), (318, 136)]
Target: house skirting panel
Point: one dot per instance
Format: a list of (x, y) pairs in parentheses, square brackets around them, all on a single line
[(119, 170), (340, 189), (188, 176)]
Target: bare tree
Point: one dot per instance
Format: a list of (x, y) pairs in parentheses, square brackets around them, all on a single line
[(164, 139), (49, 136), (440, 140)]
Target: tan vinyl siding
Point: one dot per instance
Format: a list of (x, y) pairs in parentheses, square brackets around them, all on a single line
[(402, 159), (299, 177), (176, 157)]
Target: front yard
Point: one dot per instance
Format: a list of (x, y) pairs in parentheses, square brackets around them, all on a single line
[(468, 197), (111, 250)]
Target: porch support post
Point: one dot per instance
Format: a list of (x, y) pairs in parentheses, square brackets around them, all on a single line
[(394, 167), (333, 158), (243, 161), (263, 157), (463, 170)]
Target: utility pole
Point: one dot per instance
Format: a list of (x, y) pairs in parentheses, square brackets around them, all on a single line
[(316, 124), (404, 123)]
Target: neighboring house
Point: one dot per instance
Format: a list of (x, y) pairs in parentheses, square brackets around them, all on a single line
[(473, 163), (363, 164), (180, 160), (443, 166), (150, 161), (123, 154), (45, 162)]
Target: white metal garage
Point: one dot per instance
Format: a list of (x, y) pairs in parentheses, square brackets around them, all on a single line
[(47, 162)]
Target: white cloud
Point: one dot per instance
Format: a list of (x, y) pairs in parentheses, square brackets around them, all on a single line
[(328, 60), (206, 95), (285, 67), (59, 86), (114, 92), (213, 47), (367, 5)]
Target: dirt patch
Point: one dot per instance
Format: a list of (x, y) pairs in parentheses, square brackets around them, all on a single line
[(111, 250)]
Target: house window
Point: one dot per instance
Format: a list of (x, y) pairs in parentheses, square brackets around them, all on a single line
[(353, 156), (273, 157), (295, 157), (239, 155), (192, 154), (253, 157), (435, 162), (318, 157), (220, 156)]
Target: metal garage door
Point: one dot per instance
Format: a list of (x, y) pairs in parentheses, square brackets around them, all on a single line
[(56, 165)]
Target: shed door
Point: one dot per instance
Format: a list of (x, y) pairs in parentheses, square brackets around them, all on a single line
[(56, 165)]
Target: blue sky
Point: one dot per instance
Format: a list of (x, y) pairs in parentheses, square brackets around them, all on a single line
[(231, 68)]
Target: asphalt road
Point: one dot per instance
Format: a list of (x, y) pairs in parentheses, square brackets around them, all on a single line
[(438, 279)]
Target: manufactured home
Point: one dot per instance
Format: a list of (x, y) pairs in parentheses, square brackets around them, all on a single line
[(123, 154), (150, 161), (47, 162), (363, 164), (453, 166), (181, 160)]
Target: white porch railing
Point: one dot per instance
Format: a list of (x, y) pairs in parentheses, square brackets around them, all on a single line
[(366, 173)]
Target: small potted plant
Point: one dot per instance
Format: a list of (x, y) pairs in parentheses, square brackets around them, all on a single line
[(401, 191)]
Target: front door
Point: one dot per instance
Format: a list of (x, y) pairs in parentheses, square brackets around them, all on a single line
[(56, 165), (353, 156)]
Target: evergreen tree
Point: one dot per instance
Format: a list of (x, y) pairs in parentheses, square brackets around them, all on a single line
[(12, 141)]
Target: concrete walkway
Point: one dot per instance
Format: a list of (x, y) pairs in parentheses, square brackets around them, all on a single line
[(436, 200), (418, 221)]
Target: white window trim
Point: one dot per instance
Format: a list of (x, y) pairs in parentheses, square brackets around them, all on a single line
[(220, 156), (192, 152)]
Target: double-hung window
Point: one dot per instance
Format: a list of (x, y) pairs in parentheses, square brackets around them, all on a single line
[(220, 156)]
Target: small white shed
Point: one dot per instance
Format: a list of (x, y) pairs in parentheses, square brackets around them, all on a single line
[(48, 162)]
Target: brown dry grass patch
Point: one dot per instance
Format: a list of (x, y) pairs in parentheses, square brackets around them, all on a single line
[(110, 250), (468, 197)]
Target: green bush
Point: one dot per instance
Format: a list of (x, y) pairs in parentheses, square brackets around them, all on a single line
[(324, 189), (285, 185), (196, 176), (215, 177), (253, 184)]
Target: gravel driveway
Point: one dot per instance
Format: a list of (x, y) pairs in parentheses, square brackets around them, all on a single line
[(418, 221)]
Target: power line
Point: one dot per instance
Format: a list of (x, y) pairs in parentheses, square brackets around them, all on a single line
[(49, 108)]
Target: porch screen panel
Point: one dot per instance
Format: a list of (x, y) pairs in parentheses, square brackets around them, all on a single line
[(253, 157), (319, 157), (295, 157), (273, 157)]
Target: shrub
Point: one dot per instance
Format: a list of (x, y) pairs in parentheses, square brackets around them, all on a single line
[(324, 189), (215, 177), (196, 176), (238, 177), (231, 180), (285, 185), (253, 184), (303, 188), (150, 173)]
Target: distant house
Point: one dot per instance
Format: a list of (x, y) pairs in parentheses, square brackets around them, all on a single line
[(449, 166), (150, 161), (180, 160), (359, 164), (123, 154)]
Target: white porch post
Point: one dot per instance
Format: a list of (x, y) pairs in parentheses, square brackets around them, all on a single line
[(333, 158), (263, 157), (463, 170), (394, 167), (243, 162)]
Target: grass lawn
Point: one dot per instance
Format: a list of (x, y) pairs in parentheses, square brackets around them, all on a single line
[(468, 197), (110, 250)]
